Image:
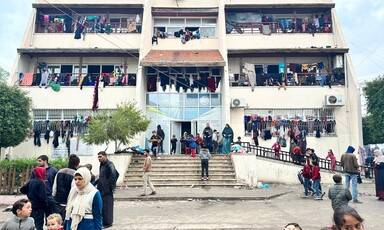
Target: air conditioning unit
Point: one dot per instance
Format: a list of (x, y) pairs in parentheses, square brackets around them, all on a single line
[(238, 103), (333, 100)]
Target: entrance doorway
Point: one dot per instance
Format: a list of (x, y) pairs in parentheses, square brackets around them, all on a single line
[(178, 128)]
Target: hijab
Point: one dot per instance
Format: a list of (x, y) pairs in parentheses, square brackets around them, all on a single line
[(76, 211), (379, 157), (40, 173)]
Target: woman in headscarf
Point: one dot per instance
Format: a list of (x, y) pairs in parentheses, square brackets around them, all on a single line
[(228, 138), (379, 174), (84, 207)]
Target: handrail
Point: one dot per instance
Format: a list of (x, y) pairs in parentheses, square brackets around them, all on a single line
[(275, 27), (286, 158)]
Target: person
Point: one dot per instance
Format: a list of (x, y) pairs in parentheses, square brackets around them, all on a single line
[(207, 137), (183, 142), (106, 184), (347, 218), (42, 161), (173, 144), (276, 147), (332, 157), (146, 173), (205, 156), (219, 143), (191, 145), (316, 178), (21, 219), (36, 193), (379, 174), (215, 145), (338, 193), (228, 138), (292, 226), (63, 183), (297, 156), (155, 140), (238, 142), (84, 207), (93, 177), (351, 169), (55, 222), (306, 172), (199, 142), (161, 134), (255, 137)]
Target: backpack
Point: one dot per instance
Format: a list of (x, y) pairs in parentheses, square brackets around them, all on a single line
[(283, 142)]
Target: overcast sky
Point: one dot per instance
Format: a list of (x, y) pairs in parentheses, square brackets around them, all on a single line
[(362, 22)]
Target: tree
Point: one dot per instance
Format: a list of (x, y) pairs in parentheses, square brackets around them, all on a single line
[(120, 127), (374, 91), (3, 75), (368, 134), (15, 118)]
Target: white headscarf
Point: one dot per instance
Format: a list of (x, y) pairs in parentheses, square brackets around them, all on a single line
[(379, 157), (77, 210)]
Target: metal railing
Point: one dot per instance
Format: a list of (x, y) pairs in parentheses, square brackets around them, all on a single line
[(286, 157)]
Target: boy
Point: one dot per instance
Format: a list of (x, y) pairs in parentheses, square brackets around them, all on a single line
[(316, 178), (306, 172), (55, 222), (338, 193), (22, 210), (191, 145), (173, 144)]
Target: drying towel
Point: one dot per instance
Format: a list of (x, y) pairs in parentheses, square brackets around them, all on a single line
[(27, 79)]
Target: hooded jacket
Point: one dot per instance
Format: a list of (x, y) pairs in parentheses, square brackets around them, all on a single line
[(35, 189), (339, 195)]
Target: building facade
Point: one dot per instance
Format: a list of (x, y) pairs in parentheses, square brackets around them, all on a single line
[(274, 68)]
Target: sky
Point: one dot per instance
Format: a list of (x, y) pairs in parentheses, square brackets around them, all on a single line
[(361, 22)]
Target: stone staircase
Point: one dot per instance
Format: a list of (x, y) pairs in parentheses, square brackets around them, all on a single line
[(182, 171)]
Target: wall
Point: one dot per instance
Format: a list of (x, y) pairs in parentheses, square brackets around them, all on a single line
[(249, 167)]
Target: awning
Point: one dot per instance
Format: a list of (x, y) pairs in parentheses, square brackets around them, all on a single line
[(183, 58)]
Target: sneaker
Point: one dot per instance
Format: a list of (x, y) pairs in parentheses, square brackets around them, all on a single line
[(153, 193), (207, 178), (357, 202), (304, 196), (318, 198), (313, 193), (143, 194), (107, 226), (202, 178), (322, 195)]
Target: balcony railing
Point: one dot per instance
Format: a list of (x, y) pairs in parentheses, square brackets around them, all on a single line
[(113, 27), (76, 79)]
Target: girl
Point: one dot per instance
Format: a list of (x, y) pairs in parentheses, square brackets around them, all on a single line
[(347, 218), (333, 160)]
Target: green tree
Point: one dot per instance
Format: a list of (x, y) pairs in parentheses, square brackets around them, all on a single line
[(15, 119), (120, 127), (374, 91), (368, 135), (3, 75)]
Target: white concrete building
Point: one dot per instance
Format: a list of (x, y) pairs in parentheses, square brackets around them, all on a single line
[(198, 70)]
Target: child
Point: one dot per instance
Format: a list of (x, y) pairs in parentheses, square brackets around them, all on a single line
[(338, 193), (333, 160), (306, 172), (238, 140), (316, 178), (191, 145), (173, 144), (22, 210), (277, 148), (55, 222), (93, 177)]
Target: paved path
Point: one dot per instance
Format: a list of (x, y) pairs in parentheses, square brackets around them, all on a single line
[(230, 208)]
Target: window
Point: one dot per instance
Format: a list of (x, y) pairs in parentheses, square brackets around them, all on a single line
[(207, 26)]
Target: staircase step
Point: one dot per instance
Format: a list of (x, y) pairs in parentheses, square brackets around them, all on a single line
[(182, 181), (178, 177), (202, 184)]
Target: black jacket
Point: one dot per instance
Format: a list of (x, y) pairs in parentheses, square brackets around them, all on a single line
[(63, 184), (35, 190), (106, 183)]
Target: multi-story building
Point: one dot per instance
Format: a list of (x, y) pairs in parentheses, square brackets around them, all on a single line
[(263, 67)]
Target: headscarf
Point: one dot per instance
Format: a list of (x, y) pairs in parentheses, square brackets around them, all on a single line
[(40, 173), (379, 157), (77, 210)]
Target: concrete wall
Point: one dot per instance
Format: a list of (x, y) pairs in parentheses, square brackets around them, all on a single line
[(251, 169)]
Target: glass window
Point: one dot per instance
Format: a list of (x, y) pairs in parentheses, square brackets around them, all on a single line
[(208, 31), (204, 100), (215, 99), (191, 113), (163, 100), (54, 68), (176, 113), (176, 100), (193, 22), (152, 99), (161, 21), (191, 100), (177, 22), (209, 21)]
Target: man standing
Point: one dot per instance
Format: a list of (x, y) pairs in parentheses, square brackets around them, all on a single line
[(146, 172), (161, 134), (42, 161), (155, 140), (106, 184), (351, 169), (207, 137), (214, 142), (63, 184)]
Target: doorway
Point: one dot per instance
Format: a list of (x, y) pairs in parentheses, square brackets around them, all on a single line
[(179, 127)]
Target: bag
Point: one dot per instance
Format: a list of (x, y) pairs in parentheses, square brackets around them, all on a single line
[(117, 175), (300, 177), (359, 180)]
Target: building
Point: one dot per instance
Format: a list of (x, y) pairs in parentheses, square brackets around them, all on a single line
[(256, 65)]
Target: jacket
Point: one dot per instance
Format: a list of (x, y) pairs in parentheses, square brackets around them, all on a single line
[(306, 171), (106, 183), (339, 195), (16, 223), (63, 184), (51, 173), (316, 173), (205, 154), (349, 163), (35, 190)]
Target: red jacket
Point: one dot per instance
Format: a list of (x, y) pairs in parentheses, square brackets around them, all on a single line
[(316, 173), (306, 172)]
